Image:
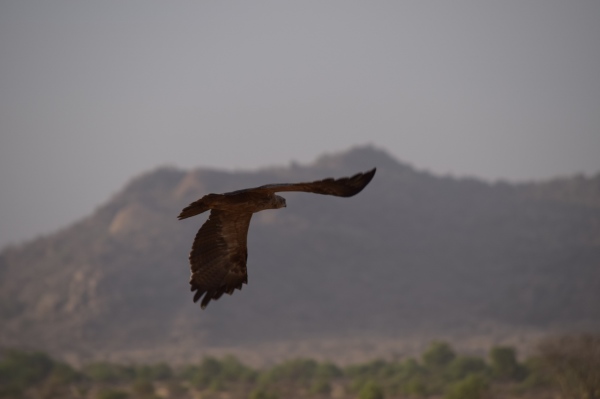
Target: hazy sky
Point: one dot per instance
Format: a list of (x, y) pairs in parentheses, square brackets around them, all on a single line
[(93, 93)]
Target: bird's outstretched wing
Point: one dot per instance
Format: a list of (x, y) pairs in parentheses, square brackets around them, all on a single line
[(343, 187), (218, 257)]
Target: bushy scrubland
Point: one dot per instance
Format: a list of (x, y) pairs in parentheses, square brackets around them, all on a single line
[(569, 365)]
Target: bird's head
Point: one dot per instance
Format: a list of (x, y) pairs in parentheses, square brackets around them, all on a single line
[(279, 202)]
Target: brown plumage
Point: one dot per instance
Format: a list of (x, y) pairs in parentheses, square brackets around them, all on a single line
[(219, 253)]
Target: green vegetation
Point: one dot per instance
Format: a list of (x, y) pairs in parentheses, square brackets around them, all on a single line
[(371, 390), (566, 365), (471, 387), (21, 370)]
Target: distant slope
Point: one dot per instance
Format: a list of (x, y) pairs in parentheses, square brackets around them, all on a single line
[(412, 254)]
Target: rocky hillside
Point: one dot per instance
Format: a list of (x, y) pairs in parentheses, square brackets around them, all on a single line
[(413, 255)]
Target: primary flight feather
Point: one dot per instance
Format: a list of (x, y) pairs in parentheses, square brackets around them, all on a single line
[(219, 252)]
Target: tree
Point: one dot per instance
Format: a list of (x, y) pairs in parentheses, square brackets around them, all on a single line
[(504, 364), (20, 370), (463, 366), (438, 355), (573, 362)]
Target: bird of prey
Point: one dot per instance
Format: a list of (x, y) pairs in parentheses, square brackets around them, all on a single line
[(219, 253)]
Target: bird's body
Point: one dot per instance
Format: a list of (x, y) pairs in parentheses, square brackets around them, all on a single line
[(219, 253), (241, 201)]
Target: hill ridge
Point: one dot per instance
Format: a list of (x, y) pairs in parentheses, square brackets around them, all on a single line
[(414, 255)]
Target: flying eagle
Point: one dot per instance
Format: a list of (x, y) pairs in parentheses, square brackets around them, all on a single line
[(219, 253)]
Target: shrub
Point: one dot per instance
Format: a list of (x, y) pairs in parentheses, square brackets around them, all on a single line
[(320, 387), (463, 366), (143, 388), (504, 364), (471, 387), (572, 362), (214, 373), (415, 386), (21, 369), (109, 373), (438, 355), (112, 394), (154, 372), (262, 394), (300, 371), (371, 390)]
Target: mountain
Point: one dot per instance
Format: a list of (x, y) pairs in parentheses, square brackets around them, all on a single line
[(414, 256)]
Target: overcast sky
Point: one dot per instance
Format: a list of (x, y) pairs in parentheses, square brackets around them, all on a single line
[(94, 93)]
